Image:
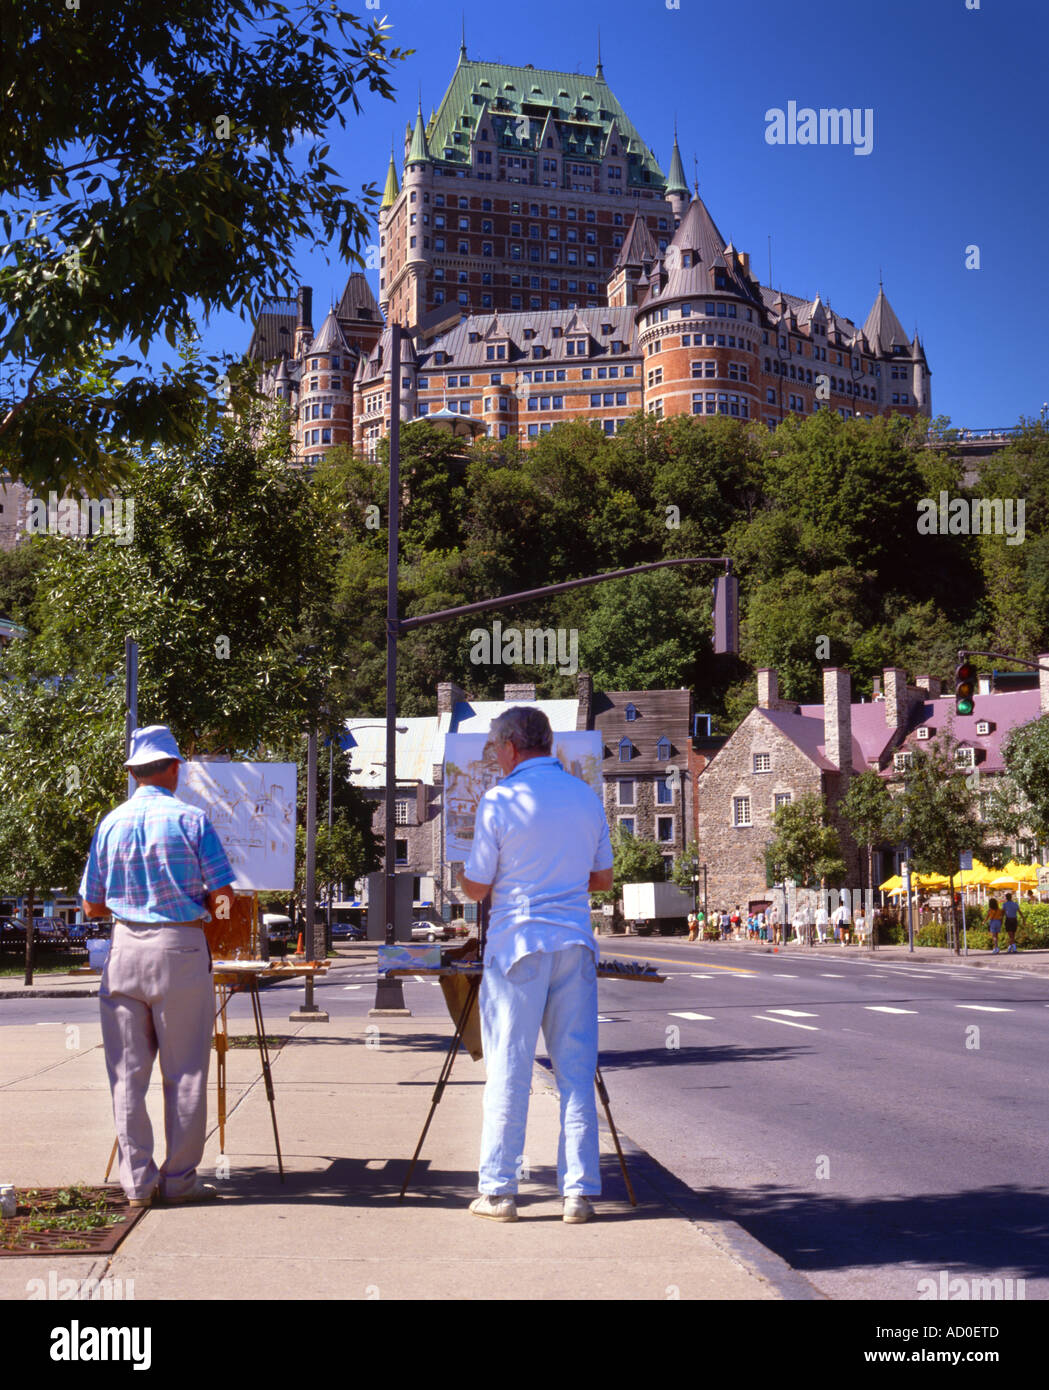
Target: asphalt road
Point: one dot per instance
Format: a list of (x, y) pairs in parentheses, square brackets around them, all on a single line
[(873, 1124)]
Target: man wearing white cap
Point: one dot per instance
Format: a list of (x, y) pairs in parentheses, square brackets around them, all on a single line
[(156, 864)]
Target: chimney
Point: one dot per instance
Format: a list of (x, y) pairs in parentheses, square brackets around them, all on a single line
[(837, 718), (585, 689), (448, 696), (876, 688), (1043, 683), (932, 684), (895, 696), (304, 320), (519, 694), (768, 688)]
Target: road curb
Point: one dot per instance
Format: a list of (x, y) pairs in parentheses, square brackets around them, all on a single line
[(727, 1234)]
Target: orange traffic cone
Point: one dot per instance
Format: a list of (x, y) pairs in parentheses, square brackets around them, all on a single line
[(300, 945)]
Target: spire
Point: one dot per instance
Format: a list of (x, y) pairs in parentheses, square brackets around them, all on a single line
[(600, 72), (676, 178), (392, 189), (462, 46), (419, 152)]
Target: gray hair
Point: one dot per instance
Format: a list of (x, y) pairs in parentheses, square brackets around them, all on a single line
[(526, 727)]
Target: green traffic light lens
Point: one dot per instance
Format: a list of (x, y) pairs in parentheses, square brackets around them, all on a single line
[(965, 706)]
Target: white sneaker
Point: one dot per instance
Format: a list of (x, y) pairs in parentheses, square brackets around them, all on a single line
[(577, 1209), (495, 1208)]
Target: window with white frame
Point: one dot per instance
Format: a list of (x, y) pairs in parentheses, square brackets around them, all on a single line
[(400, 814), (741, 810), (762, 762), (903, 762)]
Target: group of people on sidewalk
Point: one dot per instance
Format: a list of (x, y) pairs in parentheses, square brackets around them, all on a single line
[(541, 846), (1007, 913), (808, 926)]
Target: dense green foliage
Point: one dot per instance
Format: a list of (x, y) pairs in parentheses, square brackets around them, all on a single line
[(156, 160), (820, 520)]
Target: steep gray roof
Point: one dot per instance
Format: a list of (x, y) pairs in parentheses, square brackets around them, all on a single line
[(330, 338), (267, 341), (639, 246), (883, 329), (464, 353), (357, 296)]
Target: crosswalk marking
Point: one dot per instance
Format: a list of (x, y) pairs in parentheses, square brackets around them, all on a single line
[(353, 986), (984, 1008), (885, 1009), (807, 1026), (793, 1013), (707, 1018)]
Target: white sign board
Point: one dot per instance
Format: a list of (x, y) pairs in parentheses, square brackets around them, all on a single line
[(252, 807), (469, 772)]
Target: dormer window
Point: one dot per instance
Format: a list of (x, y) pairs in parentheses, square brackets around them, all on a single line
[(903, 762), (626, 750), (663, 749), (631, 713), (922, 733), (965, 757), (983, 728)]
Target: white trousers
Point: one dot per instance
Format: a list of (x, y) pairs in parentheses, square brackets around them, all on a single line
[(156, 999), (555, 990)]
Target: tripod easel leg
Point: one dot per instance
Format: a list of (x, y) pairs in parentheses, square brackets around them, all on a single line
[(256, 1006), (442, 1080), (599, 1082)]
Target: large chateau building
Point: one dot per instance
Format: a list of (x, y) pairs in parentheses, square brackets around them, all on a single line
[(545, 268)]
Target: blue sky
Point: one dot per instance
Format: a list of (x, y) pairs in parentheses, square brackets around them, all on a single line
[(958, 158)]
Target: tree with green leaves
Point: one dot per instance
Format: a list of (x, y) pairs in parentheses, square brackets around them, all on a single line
[(1026, 757), (805, 848), (225, 579), (156, 161), (936, 814), (866, 807), (61, 756)]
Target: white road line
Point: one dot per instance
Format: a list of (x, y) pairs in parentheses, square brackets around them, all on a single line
[(827, 975), (49, 1025), (984, 1008), (420, 979), (353, 986), (793, 1013), (885, 1009), (777, 976), (807, 1026), (707, 1018), (702, 977)]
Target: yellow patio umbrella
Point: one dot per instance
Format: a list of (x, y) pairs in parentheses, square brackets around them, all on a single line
[(1025, 873), (891, 885), (931, 880), (1005, 881)]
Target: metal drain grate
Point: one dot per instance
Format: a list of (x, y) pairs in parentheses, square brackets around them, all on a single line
[(17, 1238)]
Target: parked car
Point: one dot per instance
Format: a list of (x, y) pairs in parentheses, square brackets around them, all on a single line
[(432, 931), (347, 931)]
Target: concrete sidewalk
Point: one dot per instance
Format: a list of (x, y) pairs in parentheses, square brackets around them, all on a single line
[(1036, 961), (352, 1096)]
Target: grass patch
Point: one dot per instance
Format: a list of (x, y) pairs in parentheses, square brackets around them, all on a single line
[(45, 963)]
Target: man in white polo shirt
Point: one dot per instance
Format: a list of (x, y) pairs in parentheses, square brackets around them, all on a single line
[(540, 847)]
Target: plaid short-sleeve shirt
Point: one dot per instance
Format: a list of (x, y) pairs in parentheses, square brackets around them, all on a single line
[(153, 858)]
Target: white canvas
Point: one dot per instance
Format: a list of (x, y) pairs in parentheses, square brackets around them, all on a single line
[(252, 807)]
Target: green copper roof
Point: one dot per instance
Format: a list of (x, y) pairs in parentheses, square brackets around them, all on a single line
[(418, 151), (392, 188), (581, 106), (676, 178)]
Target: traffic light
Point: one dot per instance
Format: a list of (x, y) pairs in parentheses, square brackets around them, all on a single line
[(726, 614), (964, 688)]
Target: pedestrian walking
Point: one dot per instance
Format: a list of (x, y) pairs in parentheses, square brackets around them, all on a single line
[(842, 923), (156, 864), (540, 847), (822, 922), (861, 925), (994, 922), (1013, 917), (692, 926)]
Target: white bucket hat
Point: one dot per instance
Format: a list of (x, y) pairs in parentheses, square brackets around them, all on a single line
[(152, 744)]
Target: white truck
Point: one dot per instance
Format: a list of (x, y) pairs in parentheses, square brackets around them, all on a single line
[(655, 906)]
